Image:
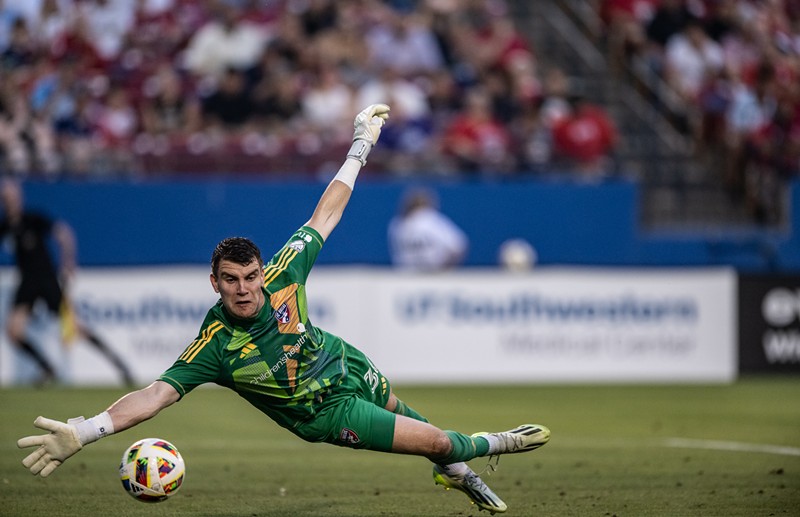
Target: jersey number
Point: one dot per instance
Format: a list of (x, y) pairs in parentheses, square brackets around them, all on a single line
[(373, 379)]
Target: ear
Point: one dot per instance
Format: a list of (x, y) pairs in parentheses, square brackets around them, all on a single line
[(214, 282)]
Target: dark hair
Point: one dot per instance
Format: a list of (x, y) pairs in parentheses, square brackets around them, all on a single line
[(416, 198), (236, 249)]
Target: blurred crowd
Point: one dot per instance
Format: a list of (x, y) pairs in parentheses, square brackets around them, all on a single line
[(734, 65), (99, 88)]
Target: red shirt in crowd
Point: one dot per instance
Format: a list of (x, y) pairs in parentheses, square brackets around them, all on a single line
[(586, 136)]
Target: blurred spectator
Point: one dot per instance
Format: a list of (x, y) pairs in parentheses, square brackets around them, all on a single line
[(497, 45), (14, 119), (475, 140), (76, 134), (411, 125), (116, 120), (168, 108), (327, 103), (343, 46), (444, 97), (163, 28), (555, 104), (742, 51), (535, 128), (277, 100), (585, 140), (404, 43), (772, 157), (734, 65), (299, 65), (117, 123), (670, 18), (20, 51), (421, 238), (227, 41), (54, 25), (317, 16), (9, 14), (720, 18), (691, 58), (229, 107), (749, 112), (625, 21), (26, 135), (104, 25), (26, 9)]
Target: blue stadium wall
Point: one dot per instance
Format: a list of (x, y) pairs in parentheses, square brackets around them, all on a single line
[(179, 222)]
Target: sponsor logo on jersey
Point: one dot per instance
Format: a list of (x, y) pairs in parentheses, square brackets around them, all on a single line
[(298, 245), (282, 314), (348, 436)]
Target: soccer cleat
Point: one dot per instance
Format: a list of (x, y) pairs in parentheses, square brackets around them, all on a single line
[(526, 437), (472, 485)]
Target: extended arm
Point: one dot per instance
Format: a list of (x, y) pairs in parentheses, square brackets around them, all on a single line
[(141, 405), (65, 439), (367, 129)]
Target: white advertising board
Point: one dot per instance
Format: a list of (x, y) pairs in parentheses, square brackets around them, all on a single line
[(556, 325), (552, 325), (147, 316)]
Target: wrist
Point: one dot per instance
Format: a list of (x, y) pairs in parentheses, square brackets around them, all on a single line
[(95, 428), (348, 172), (360, 150)]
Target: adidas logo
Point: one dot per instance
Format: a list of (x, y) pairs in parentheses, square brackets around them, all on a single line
[(246, 349)]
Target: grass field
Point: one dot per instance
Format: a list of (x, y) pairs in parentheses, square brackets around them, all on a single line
[(615, 451)]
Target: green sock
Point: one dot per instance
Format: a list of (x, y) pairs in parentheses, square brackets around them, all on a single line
[(465, 448), (403, 409)]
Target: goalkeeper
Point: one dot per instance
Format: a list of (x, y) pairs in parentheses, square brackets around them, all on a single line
[(258, 341)]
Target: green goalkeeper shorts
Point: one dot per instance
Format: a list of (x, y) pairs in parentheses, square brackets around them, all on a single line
[(352, 414)]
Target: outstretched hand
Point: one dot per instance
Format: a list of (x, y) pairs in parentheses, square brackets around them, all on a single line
[(369, 122), (54, 448)]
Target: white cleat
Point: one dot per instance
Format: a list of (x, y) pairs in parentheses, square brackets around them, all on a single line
[(526, 437), (472, 485)]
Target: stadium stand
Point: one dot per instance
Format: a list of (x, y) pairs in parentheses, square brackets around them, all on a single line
[(722, 74), (481, 88)]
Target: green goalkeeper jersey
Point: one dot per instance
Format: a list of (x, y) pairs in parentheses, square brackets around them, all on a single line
[(278, 361)]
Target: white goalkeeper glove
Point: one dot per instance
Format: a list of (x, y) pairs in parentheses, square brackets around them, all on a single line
[(367, 127), (54, 448), (63, 441)]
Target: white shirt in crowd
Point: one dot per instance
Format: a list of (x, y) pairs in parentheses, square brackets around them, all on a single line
[(426, 240)]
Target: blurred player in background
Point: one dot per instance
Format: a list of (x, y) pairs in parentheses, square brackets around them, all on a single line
[(258, 341), (27, 235), (421, 238)]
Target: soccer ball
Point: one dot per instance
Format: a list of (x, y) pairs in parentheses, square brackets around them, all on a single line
[(517, 255), (152, 470)]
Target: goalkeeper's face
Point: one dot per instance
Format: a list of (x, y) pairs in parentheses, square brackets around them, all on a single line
[(239, 287)]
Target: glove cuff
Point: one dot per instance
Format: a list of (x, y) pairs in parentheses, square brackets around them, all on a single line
[(95, 428), (360, 150)]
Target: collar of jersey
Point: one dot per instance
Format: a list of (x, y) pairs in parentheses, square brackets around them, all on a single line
[(246, 323)]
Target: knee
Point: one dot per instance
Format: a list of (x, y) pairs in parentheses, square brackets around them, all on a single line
[(391, 404), (15, 327), (14, 331), (441, 446)]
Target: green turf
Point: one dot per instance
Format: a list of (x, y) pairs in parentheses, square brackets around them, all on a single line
[(608, 455)]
